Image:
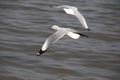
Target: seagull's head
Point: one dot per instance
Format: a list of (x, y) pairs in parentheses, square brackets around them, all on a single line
[(55, 27)]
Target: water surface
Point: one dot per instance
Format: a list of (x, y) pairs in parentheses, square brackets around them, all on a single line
[(25, 25)]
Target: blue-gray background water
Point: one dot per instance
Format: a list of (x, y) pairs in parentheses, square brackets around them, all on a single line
[(25, 25)]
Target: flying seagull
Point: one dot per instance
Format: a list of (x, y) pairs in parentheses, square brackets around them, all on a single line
[(60, 32), (72, 10)]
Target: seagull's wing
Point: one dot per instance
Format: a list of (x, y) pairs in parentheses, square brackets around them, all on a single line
[(81, 18), (69, 11), (73, 35), (74, 11), (53, 39)]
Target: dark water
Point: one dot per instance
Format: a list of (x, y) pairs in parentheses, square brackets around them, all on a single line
[(25, 25)]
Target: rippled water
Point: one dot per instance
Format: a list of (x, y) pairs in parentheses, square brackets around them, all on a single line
[(25, 25)]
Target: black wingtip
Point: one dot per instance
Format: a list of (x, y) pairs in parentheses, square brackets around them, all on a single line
[(83, 35), (88, 29), (40, 52)]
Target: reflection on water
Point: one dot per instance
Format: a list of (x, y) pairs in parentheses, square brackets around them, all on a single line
[(24, 26)]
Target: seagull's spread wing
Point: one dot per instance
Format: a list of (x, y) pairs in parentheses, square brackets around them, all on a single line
[(81, 18), (74, 11), (52, 39)]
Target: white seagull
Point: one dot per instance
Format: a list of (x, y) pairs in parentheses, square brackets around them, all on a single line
[(72, 10), (57, 35)]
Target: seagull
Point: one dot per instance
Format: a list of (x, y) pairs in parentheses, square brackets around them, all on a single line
[(72, 10), (60, 32)]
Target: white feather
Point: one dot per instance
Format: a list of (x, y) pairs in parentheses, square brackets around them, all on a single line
[(73, 35), (45, 46), (69, 11)]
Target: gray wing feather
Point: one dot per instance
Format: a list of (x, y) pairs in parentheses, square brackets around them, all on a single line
[(53, 39), (81, 18)]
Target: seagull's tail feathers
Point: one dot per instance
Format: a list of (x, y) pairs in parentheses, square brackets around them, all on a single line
[(41, 52)]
